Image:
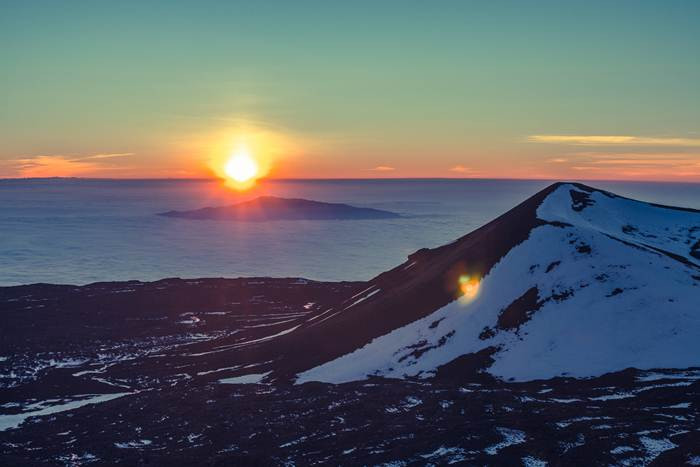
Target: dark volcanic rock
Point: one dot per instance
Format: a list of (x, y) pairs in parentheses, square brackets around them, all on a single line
[(519, 311), (164, 347), (269, 208)]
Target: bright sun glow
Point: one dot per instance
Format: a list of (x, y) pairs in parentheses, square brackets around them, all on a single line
[(241, 167)]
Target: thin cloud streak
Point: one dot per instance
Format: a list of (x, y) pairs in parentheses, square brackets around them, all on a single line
[(661, 162), (460, 169), (59, 165), (613, 140), (668, 166), (109, 156)]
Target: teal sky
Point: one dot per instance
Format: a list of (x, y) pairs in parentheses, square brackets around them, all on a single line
[(352, 89)]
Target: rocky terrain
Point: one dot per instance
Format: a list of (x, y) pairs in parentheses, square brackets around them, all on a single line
[(562, 333)]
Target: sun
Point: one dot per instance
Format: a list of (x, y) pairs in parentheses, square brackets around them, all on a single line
[(240, 160), (241, 167)]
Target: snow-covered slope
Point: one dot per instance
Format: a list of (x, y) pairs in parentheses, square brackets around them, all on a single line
[(600, 283)]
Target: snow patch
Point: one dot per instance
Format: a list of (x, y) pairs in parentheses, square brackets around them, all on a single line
[(510, 438), (42, 408), (138, 444), (654, 447), (253, 378), (530, 461)]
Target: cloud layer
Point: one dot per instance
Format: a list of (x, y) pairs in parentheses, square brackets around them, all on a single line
[(383, 168), (59, 165), (666, 165), (613, 140)]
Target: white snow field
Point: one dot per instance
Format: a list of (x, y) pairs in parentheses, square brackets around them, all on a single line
[(617, 287)]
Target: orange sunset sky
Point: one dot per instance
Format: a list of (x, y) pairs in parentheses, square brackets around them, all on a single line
[(357, 90)]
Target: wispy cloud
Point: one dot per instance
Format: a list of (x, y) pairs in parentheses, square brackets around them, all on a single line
[(666, 165), (382, 168), (586, 167), (558, 160), (108, 156), (656, 158), (460, 169), (60, 165), (613, 140)]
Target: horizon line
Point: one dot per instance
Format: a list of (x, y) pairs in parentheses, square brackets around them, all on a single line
[(339, 179)]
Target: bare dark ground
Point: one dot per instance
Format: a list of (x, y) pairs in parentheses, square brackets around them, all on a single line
[(165, 346)]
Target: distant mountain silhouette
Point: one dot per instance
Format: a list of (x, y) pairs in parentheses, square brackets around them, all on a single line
[(269, 208)]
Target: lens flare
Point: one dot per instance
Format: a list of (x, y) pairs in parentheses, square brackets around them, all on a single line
[(469, 286)]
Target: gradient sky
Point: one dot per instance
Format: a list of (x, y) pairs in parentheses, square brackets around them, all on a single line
[(580, 90)]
